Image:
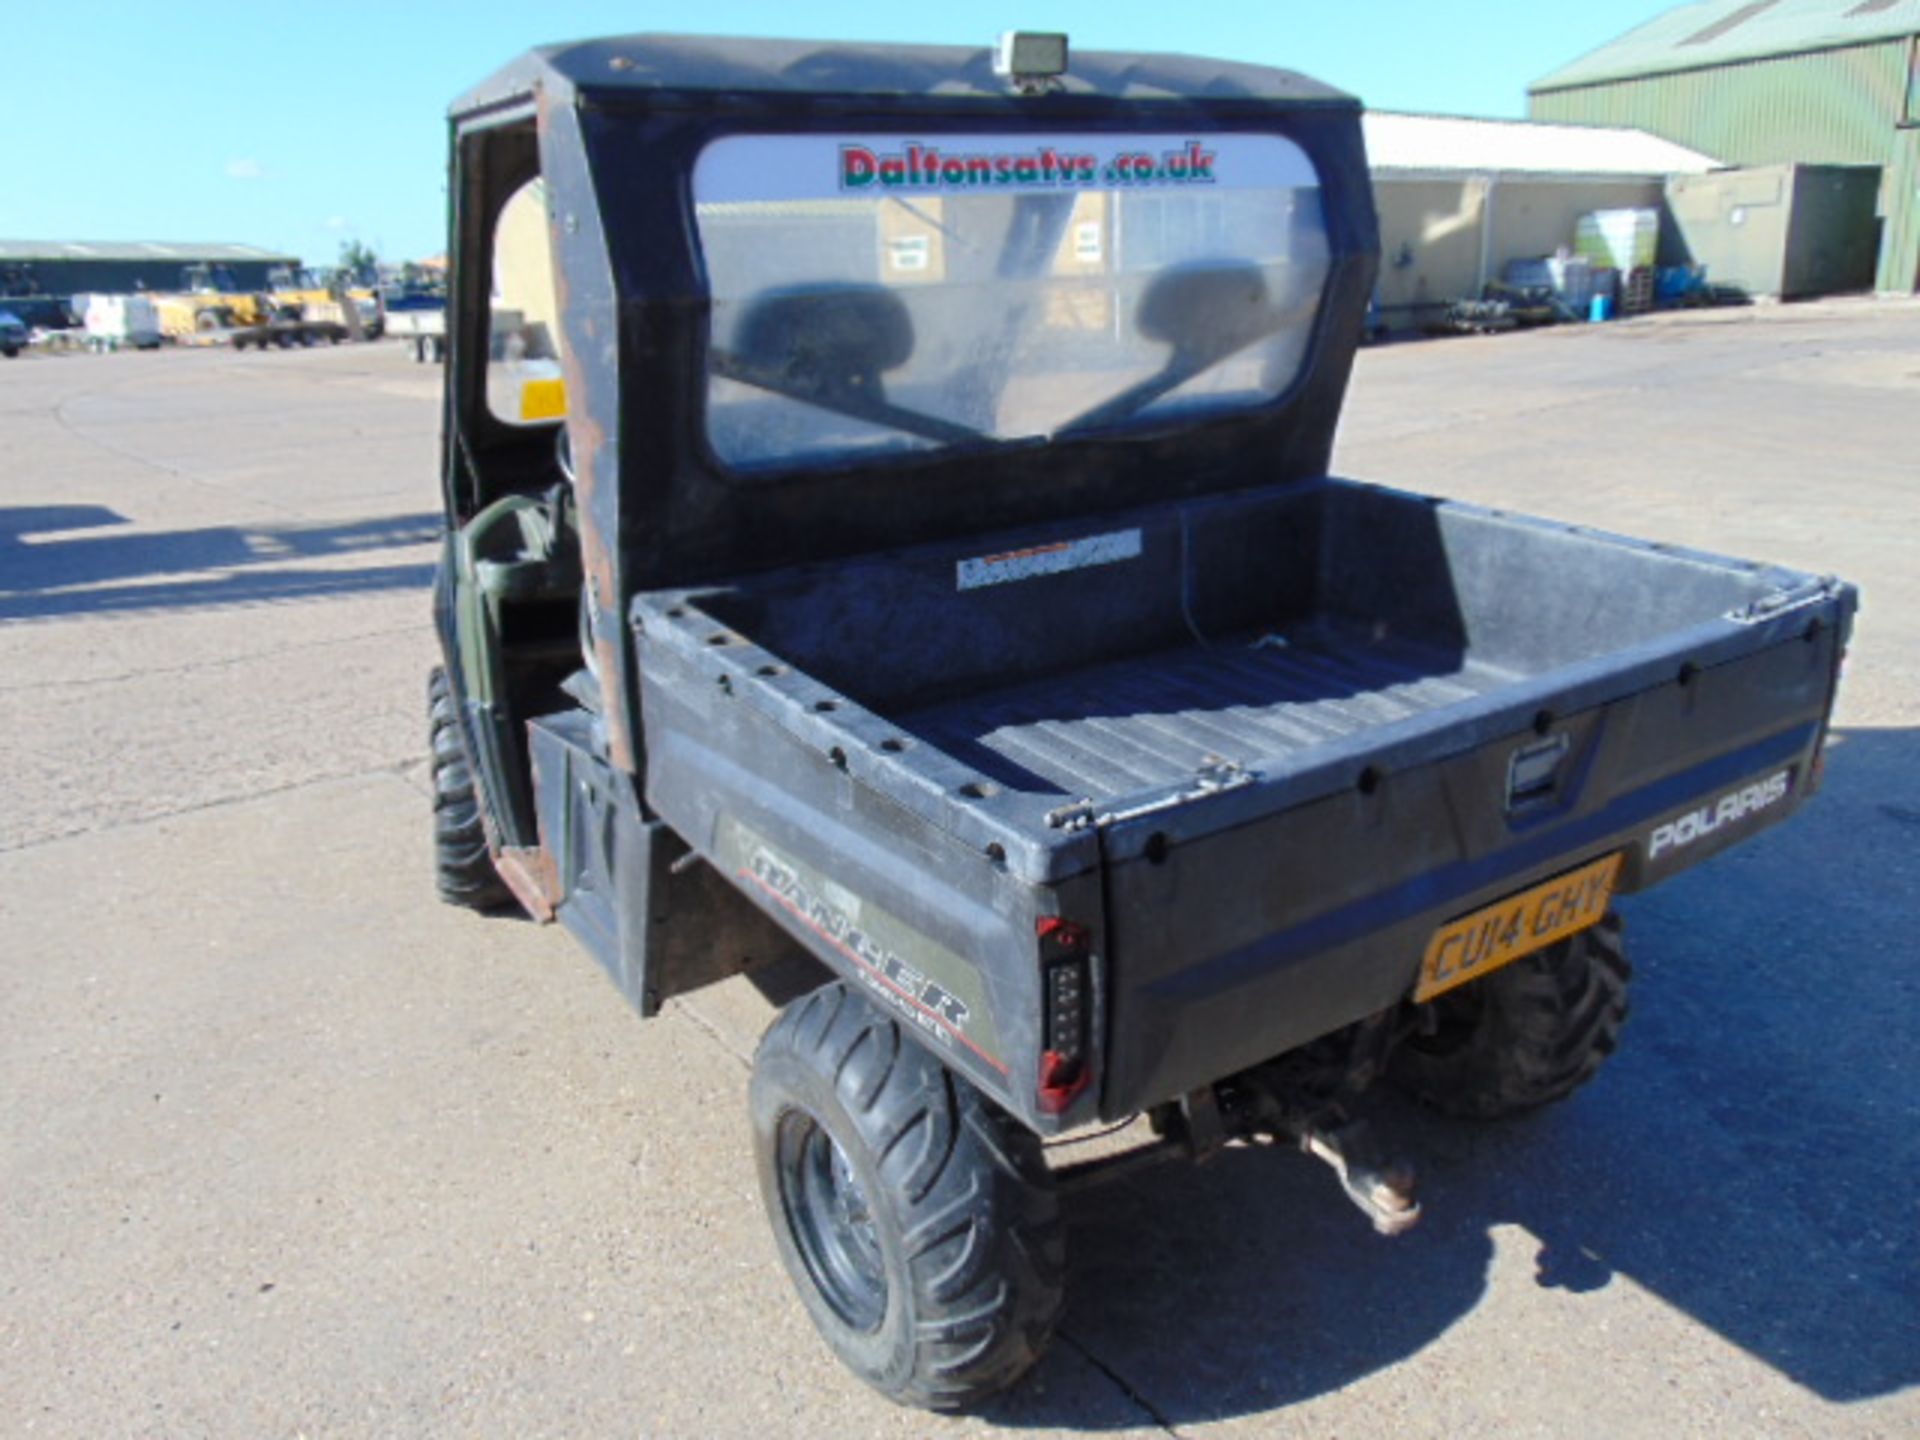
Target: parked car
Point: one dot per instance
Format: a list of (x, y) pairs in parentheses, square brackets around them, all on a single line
[(13, 334)]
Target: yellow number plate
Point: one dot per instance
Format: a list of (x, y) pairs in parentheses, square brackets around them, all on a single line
[(1472, 946)]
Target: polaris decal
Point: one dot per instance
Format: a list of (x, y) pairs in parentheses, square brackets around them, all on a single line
[(1054, 559), (1734, 806), (935, 990)]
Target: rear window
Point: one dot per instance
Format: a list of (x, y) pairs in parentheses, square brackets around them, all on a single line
[(875, 294)]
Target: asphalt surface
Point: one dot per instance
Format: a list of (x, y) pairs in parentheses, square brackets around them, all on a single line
[(287, 1148)]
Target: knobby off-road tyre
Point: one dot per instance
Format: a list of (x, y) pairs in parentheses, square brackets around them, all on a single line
[(462, 867), (1530, 1033), (917, 1220)]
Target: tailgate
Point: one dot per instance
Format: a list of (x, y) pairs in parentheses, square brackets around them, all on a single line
[(1251, 919)]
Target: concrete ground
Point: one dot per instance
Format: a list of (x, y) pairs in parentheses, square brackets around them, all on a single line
[(287, 1148)]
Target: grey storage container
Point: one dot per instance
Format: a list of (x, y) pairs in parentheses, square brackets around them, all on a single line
[(1785, 232)]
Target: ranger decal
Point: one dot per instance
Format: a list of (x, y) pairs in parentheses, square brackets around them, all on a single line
[(873, 941)]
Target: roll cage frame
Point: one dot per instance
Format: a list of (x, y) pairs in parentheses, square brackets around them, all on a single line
[(615, 128)]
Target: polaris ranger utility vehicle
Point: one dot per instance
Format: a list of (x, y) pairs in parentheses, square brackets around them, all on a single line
[(889, 522)]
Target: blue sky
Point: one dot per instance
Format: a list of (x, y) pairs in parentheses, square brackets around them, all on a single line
[(300, 126)]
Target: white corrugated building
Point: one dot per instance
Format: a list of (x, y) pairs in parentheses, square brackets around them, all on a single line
[(1459, 197)]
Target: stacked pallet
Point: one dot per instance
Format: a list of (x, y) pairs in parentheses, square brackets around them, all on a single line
[(1636, 291)]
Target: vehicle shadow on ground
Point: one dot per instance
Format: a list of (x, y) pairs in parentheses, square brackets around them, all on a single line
[(48, 570), (1748, 1159)]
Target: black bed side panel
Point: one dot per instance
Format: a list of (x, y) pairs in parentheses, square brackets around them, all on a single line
[(939, 934)]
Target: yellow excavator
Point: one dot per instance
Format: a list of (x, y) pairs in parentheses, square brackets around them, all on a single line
[(208, 299), (304, 294), (290, 291)]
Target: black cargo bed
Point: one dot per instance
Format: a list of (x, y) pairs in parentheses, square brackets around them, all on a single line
[(1155, 719), (1297, 635), (1266, 742)]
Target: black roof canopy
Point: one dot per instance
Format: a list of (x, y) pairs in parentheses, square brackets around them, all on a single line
[(638, 64), (615, 127)]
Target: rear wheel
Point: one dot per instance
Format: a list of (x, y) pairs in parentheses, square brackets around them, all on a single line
[(916, 1219), (462, 866), (1530, 1033)]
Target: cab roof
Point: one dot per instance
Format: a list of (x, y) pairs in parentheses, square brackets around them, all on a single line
[(637, 64)]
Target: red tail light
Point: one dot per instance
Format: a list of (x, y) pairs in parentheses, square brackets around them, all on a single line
[(1061, 1079), (1063, 933), (1065, 999)]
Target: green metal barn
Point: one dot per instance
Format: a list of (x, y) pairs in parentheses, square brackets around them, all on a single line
[(66, 267), (1761, 82)]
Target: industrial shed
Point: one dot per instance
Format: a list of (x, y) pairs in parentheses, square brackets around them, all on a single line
[(1770, 82), (72, 267), (1460, 197)]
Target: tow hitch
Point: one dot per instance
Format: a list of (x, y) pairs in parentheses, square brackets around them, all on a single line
[(1382, 1188), (1294, 1101), (1287, 1103)]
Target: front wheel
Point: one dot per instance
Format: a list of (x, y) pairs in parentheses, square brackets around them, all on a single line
[(463, 867), (1530, 1033), (915, 1218)]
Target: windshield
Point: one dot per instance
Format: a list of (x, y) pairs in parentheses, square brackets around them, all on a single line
[(875, 294)]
